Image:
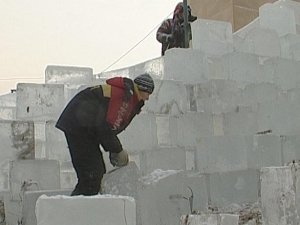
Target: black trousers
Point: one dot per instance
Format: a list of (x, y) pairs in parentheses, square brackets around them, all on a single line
[(87, 161)]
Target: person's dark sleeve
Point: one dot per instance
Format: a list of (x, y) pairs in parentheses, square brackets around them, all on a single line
[(111, 143), (164, 32)]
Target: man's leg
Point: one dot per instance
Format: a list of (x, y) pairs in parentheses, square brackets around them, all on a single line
[(88, 163)]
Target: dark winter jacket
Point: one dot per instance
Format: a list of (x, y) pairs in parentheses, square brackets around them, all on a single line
[(101, 110), (171, 32), (169, 27)]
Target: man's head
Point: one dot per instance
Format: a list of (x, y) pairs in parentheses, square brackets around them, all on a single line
[(178, 13), (145, 84)]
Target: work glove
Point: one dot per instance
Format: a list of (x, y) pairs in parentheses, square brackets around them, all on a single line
[(129, 88), (119, 159)]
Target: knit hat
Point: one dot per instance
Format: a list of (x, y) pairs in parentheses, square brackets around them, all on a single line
[(145, 83)]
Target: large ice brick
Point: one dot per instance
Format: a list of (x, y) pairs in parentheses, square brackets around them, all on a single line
[(290, 46), (236, 187), (260, 41), (140, 135), (222, 153), (217, 96), (237, 66), (55, 74), (56, 144), (277, 17), (164, 158), (278, 197), (186, 65), (79, 210), (241, 121), (33, 175), (166, 195), (256, 93), (238, 152), (39, 101), (295, 6), (212, 37), (281, 116), (282, 72), (190, 127), (8, 100), (290, 148), (169, 97), (7, 113), (17, 142), (183, 130), (152, 66), (29, 202), (266, 151), (17, 139), (124, 181)]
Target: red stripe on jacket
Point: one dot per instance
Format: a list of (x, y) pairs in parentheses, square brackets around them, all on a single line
[(120, 112)]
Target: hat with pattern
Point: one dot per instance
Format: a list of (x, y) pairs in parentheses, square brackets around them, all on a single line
[(145, 83)]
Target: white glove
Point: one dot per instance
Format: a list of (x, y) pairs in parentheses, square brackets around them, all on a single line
[(119, 159)]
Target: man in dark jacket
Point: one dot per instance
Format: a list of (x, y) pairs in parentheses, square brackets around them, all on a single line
[(171, 32), (95, 116)]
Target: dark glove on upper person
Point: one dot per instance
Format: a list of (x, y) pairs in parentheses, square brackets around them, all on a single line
[(129, 88)]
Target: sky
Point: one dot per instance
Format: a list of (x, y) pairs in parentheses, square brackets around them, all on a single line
[(102, 35)]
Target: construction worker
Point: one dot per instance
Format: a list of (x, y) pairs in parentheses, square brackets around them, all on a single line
[(95, 116), (171, 32)]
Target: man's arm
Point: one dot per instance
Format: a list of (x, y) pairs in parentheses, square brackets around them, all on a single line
[(164, 32), (117, 155)]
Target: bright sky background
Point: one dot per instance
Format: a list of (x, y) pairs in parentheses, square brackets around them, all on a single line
[(88, 33)]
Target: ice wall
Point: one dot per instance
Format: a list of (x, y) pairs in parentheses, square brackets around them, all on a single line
[(223, 109)]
